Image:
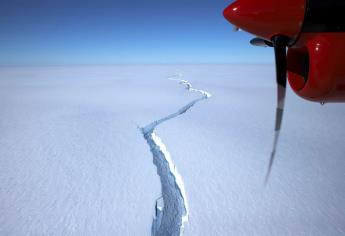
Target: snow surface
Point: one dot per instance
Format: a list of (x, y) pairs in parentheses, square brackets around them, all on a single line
[(72, 161)]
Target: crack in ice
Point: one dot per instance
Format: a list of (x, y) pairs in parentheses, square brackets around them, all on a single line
[(171, 209)]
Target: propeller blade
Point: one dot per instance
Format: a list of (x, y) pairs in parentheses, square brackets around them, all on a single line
[(260, 42), (279, 43)]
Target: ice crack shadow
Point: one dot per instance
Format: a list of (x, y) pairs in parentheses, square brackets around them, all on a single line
[(171, 211)]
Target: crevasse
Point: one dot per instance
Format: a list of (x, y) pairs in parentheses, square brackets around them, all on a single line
[(171, 211)]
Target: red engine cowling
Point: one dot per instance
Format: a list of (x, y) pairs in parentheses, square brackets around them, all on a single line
[(267, 18), (316, 67), (316, 30)]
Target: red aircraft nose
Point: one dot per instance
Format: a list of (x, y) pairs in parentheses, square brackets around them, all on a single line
[(266, 18)]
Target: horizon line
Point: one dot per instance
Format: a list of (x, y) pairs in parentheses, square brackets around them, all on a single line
[(134, 64)]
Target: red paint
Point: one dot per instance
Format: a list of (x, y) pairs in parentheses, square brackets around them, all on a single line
[(326, 78), (298, 66), (323, 53), (267, 18)]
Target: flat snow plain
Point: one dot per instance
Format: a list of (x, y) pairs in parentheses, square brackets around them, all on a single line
[(73, 161)]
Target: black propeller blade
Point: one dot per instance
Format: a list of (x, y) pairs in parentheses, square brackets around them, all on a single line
[(279, 43), (260, 42)]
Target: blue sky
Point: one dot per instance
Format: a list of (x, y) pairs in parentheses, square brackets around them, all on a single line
[(61, 32)]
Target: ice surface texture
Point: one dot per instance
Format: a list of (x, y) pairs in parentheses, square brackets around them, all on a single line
[(72, 161)]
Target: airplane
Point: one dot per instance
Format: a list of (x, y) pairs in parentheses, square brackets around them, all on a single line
[(308, 37)]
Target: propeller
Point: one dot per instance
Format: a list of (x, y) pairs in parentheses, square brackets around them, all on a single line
[(280, 44), (261, 42)]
